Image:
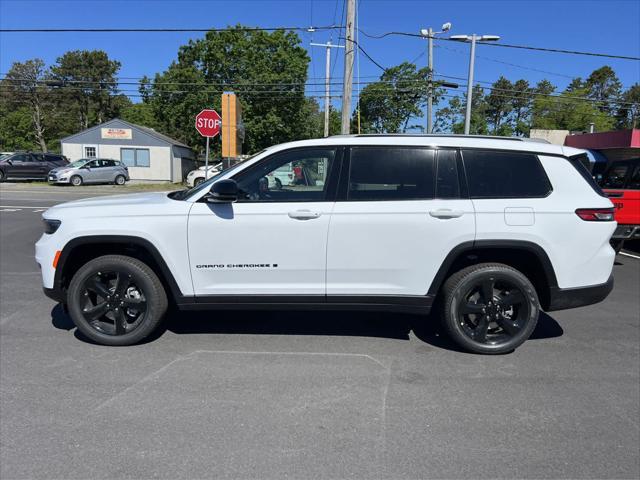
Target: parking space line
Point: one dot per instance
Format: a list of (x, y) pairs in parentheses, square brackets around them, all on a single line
[(630, 255), (21, 206)]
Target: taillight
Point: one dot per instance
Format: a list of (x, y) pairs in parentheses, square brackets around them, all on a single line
[(595, 214)]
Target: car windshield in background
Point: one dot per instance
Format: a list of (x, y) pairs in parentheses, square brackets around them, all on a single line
[(184, 194), (77, 163)]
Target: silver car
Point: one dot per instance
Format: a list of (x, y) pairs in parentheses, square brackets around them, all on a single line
[(90, 170)]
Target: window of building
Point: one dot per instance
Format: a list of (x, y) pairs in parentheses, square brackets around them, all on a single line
[(493, 174), (135, 157), (300, 175), (90, 152), (391, 173)]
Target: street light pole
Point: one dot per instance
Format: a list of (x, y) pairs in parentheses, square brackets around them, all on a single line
[(472, 38), (429, 33), (327, 96), (467, 115), (430, 97)]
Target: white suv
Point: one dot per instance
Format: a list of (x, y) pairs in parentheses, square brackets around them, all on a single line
[(489, 230)]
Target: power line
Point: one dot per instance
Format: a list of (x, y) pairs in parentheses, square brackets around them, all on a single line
[(159, 30), (506, 45)]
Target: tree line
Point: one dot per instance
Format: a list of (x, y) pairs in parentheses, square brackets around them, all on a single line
[(41, 104)]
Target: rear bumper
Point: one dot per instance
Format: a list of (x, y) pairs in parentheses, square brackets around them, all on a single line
[(624, 232), (563, 298)]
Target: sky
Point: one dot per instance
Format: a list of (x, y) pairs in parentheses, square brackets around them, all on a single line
[(603, 26)]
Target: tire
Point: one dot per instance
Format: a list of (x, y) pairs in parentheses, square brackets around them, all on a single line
[(120, 180), (198, 181), (278, 184), (76, 180), (2, 176), (498, 325), (127, 297)]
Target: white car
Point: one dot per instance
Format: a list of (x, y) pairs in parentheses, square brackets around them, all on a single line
[(197, 176), (492, 230)]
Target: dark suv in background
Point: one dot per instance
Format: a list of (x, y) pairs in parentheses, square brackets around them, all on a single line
[(28, 165)]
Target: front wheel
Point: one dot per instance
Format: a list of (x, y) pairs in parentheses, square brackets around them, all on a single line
[(116, 300), (198, 181), (489, 308)]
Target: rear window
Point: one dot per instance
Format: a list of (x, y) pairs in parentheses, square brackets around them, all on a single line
[(493, 174), (616, 175), (391, 173)]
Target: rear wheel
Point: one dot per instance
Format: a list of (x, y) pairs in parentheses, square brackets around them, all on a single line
[(116, 300), (120, 179), (76, 180), (198, 181), (2, 177), (489, 308)]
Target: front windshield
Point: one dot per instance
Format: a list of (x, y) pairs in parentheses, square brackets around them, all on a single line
[(184, 194), (77, 163)]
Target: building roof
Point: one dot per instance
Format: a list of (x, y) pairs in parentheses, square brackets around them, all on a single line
[(146, 130), (605, 140)]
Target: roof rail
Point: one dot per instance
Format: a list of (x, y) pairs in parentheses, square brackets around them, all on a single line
[(444, 135)]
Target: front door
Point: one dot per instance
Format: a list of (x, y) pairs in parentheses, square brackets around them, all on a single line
[(24, 165), (396, 219), (273, 240)]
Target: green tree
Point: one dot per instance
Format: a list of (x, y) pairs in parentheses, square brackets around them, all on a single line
[(498, 103), (451, 118), (89, 82), (569, 111), (24, 85), (390, 104), (603, 86), (267, 70), (628, 115), (521, 106)]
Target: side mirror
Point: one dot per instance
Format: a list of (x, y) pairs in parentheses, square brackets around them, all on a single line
[(10, 162), (223, 191)]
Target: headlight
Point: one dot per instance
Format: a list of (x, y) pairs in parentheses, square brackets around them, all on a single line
[(50, 226)]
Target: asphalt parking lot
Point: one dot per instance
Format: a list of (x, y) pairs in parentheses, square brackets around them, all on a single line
[(309, 394)]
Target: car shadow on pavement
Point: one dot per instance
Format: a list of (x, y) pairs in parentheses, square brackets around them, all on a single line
[(320, 323)]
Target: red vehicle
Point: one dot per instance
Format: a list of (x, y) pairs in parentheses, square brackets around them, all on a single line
[(621, 183)]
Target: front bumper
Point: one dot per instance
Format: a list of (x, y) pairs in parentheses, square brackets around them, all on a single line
[(563, 298), (626, 232), (56, 179)]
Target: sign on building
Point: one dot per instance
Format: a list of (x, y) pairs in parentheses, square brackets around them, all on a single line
[(116, 133)]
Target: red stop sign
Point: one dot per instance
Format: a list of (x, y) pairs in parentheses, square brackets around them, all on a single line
[(208, 123)]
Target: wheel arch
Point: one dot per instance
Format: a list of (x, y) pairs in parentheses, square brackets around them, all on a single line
[(529, 258), (80, 250)]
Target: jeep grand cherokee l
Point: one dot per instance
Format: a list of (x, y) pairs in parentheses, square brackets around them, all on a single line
[(490, 230)]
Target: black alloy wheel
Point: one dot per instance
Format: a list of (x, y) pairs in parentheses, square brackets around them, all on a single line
[(113, 303), (490, 308), (116, 300)]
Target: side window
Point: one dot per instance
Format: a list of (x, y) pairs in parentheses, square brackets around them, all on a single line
[(109, 163), (94, 164), (493, 174), (447, 181), (391, 173), (21, 157), (615, 176), (52, 158), (292, 176), (38, 157), (634, 181)]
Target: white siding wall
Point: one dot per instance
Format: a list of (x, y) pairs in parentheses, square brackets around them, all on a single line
[(73, 151)]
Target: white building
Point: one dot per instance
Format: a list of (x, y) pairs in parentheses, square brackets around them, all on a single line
[(149, 155)]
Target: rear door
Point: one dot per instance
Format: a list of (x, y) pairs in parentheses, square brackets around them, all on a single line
[(400, 211)]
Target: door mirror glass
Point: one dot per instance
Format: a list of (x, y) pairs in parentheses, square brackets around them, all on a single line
[(223, 191)]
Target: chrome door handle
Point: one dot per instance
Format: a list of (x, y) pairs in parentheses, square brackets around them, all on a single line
[(446, 213), (304, 215)]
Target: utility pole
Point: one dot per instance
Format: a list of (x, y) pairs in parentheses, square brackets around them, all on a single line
[(430, 97), (327, 93), (348, 67), (429, 33), (472, 38)]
